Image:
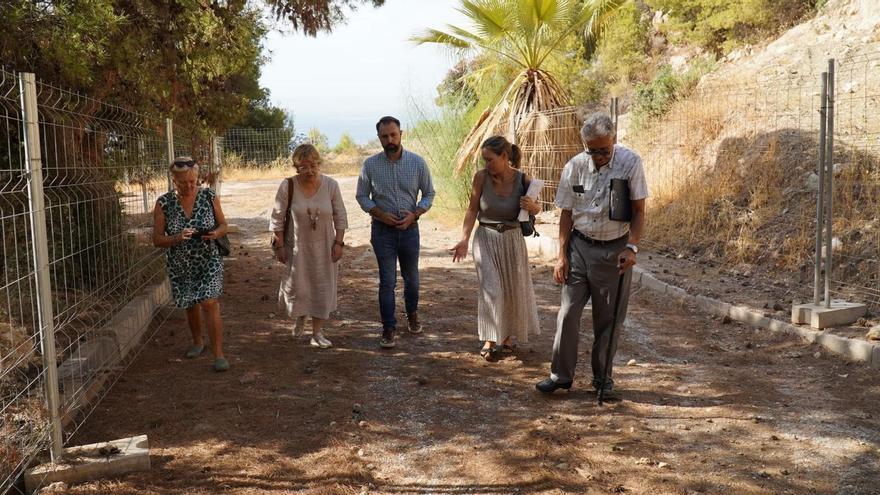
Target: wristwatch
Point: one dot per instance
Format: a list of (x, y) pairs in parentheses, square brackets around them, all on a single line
[(633, 248), (339, 243)]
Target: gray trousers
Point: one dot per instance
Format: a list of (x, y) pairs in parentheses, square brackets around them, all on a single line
[(593, 274)]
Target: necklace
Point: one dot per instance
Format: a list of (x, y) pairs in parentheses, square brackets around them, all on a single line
[(313, 217)]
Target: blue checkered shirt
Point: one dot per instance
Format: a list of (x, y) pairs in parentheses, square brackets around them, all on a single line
[(395, 186)]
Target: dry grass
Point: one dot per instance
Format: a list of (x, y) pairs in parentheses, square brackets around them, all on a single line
[(730, 182), (340, 164)]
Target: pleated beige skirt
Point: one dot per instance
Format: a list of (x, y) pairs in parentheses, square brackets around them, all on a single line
[(506, 301)]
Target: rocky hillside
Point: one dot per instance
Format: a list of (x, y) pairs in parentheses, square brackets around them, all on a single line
[(732, 165)]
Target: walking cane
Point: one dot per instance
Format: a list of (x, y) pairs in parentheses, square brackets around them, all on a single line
[(606, 371)]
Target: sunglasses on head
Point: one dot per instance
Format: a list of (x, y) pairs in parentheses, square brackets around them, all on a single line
[(186, 164)]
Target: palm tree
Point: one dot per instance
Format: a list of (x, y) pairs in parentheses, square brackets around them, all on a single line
[(518, 37)]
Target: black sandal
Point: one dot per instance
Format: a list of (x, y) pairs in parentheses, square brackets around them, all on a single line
[(490, 353)]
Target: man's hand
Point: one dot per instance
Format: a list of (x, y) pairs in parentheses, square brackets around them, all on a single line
[(336, 253), (407, 220), (386, 218), (626, 260), (560, 271), (281, 255)]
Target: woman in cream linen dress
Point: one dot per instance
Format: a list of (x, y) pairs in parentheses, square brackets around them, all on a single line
[(313, 244)]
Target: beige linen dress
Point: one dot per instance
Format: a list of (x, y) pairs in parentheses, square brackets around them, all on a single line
[(308, 284)]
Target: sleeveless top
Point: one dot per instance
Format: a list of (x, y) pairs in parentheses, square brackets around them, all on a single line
[(498, 209)]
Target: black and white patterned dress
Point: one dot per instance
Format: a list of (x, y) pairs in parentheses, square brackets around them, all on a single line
[(195, 268)]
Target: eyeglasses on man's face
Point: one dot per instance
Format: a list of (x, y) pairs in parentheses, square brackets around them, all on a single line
[(597, 151)]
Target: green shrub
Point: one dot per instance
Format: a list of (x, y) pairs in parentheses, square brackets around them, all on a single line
[(721, 25), (346, 145), (319, 140), (654, 98), (622, 52)]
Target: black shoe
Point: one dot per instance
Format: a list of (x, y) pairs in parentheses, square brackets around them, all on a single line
[(548, 386), (387, 340), (609, 385)]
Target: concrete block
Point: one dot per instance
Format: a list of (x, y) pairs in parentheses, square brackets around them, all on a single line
[(852, 349), (818, 316), (651, 283), (543, 247), (746, 315), (87, 462), (713, 306)]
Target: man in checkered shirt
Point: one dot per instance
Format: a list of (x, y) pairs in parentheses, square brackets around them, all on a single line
[(388, 189)]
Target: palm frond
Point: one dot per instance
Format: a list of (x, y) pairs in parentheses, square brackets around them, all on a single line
[(490, 17), (443, 38), (600, 13)]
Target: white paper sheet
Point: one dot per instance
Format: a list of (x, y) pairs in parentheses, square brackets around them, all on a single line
[(534, 190)]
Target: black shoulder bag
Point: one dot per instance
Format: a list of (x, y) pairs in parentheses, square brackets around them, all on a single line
[(224, 247), (528, 226)]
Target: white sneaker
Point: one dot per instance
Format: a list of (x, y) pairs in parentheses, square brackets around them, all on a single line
[(320, 341), (299, 328)]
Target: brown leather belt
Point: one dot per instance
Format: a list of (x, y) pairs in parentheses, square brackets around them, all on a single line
[(500, 227), (597, 242)]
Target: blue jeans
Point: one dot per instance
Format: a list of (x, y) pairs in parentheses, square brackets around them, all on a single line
[(391, 245)]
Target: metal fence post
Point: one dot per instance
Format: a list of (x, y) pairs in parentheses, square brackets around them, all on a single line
[(142, 160), (218, 164), (40, 239), (820, 203), (829, 172), (169, 135)]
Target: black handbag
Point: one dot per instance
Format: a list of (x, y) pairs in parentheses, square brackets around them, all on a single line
[(528, 226), (224, 247)]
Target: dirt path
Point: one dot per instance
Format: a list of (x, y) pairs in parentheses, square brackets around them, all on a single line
[(707, 407)]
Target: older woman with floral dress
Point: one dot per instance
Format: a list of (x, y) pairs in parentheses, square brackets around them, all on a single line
[(185, 222), (312, 245)]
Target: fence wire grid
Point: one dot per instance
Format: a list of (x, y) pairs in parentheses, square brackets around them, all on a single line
[(103, 168)]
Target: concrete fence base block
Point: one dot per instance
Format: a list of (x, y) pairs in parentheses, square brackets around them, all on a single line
[(88, 462), (852, 349), (818, 316), (84, 373), (543, 247)]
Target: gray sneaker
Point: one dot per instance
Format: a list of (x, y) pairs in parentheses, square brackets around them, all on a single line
[(414, 326)]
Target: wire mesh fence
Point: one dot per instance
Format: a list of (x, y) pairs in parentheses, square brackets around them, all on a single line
[(732, 171), (258, 148), (24, 418), (99, 171), (856, 165)]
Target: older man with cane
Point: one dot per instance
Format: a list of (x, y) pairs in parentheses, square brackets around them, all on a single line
[(602, 194)]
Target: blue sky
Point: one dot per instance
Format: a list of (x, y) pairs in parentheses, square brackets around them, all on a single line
[(367, 68)]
